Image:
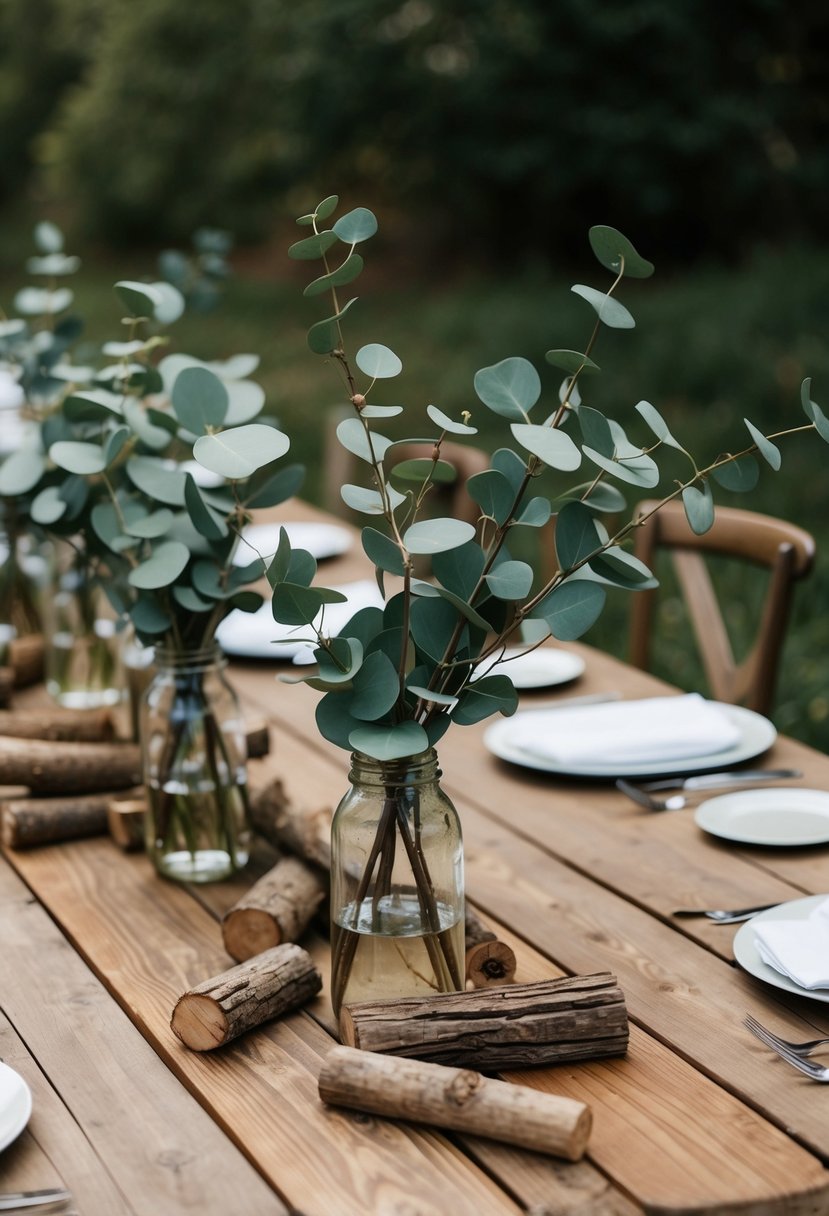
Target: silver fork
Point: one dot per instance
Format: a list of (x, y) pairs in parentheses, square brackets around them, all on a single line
[(642, 794), (724, 916), (818, 1072), (773, 1040)]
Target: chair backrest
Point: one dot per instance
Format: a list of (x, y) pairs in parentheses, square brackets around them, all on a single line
[(784, 549), (446, 499)]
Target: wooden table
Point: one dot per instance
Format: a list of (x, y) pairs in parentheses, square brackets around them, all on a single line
[(699, 1117)]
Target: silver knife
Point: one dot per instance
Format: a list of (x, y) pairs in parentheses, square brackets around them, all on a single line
[(708, 781), (32, 1199)]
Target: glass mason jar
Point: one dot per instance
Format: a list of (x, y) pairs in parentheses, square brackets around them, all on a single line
[(397, 910), (193, 749), (83, 645)]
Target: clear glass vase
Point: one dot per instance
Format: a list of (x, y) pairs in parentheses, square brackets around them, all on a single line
[(194, 752), (397, 910), (83, 645)]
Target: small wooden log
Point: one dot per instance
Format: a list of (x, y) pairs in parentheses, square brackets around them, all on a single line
[(263, 988), (574, 1018), (259, 739), (458, 1099), (27, 822), (6, 686), (125, 820), (276, 909), (305, 831), (489, 962), (68, 768), (27, 657), (66, 725)]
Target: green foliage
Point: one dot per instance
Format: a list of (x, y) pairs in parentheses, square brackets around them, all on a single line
[(426, 666)]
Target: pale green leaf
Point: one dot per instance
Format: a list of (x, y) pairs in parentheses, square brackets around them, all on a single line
[(162, 568), (84, 459), (356, 226), (237, 453), (768, 450), (199, 399), (609, 311), (449, 424), (571, 608), (572, 361), (378, 362), (699, 507), (509, 388), (551, 445), (437, 535), (389, 742), (510, 580)]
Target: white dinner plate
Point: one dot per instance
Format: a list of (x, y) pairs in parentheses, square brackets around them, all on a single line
[(540, 668), (15, 1105), (771, 817), (320, 540), (756, 736), (747, 954)]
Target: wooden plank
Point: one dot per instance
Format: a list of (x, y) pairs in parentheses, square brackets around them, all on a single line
[(160, 1148), (53, 1151), (261, 1089)]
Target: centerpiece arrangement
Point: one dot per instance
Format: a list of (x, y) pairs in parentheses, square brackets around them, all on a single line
[(394, 679)]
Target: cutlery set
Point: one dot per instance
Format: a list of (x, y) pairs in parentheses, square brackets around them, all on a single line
[(643, 794), (795, 1054)]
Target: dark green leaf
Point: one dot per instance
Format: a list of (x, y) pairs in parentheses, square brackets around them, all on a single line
[(325, 335), (346, 273), (149, 617), (740, 475), (339, 659), (430, 592), (622, 569), (535, 513), (489, 695), (149, 526), (422, 469), (493, 493), (376, 687), (571, 608), (389, 742), (571, 361), (576, 535), (459, 570), (617, 253), (267, 488), (278, 569), (595, 431), (293, 604), (638, 470), (188, 599), (768, 450), (208, 522), (334, 720), (508, 462), (313, 246), (699, 507), (327, 207), (657, 424), (199, 399), (382, 551)]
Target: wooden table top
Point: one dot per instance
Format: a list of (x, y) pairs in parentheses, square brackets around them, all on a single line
[(698, 1117)]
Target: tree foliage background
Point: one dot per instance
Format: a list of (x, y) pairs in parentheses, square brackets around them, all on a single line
[(500, 124)]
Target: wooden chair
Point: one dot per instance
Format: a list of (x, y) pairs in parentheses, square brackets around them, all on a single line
[(785, 550)]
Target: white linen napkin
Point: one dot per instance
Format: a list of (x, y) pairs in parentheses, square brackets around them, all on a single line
[(629, 732), (258, 635), (798, 949)]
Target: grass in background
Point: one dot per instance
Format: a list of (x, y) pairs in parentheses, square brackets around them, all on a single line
[(710, 347)]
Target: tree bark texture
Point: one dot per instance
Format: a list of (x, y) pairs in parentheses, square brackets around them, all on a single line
[(68, 768), (25, 822), (64, 725), (276, 909), (458, 1099)]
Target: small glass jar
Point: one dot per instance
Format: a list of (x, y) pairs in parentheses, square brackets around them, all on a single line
[(397, 897), (194, 753), (83, 645)]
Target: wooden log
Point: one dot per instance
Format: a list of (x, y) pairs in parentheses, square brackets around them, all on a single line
[(66, 725), (27, 657), (125, 820), (306, 832), (276, 909), (6, 686), (259, 739), (458, 1099), (256, 991), (573, 1018), (26, 822), (68, 768)]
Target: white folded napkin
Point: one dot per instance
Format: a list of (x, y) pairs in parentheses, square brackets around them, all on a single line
[(798, 949), (629, 732), (258, 635)]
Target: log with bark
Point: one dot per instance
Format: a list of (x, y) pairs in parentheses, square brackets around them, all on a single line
[(306, 832), (64, 725), (26, 655), (26, 822), (573, 1018), (68, 768), (263, 988), (458, 1099), (277, 908), (125, 821)]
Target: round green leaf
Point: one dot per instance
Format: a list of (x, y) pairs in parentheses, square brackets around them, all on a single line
[(699, 507), (115, 444), (459, 570), (48, 237), (595, 431), (352, 435), (369, 502), (346, 273), (572, 361), (382, 550), (199, 399), (293, 604), (355, 226), (237, 453), (141, 299), (535, 513), (375, 688), (21, 471), (158, 479), (81, 458), (768, 450), (378, 362), (162, 568), (313, 246), (421, 469), (429, 591), (657, 424), (449, 424), (170, 305), (509, 388), (188, 599), (510, 580), (389, 742), (609, 311), (571, 608), (437, 535), (246, 399), (268, 488), (150, 526), (148, 616), (48, 506), (493, 493), (489, 695), (327, 207), (550, 444), (508, 462), (612, 249), (622, 569), (740, 475), (325, 335), (576, 535), (208, 522)]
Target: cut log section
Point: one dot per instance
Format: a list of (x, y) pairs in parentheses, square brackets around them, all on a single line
[(458, 1099), (68, 768), (257, 991), (489, 962), (259, 739), (125, 820), (276, 909), (65, 725), (574, 1018), (26, 822)]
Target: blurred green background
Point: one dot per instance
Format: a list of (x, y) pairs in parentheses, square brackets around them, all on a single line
[(487, 138)]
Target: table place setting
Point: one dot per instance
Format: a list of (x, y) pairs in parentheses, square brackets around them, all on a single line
[(15, 1105), (650, 737), (787, 946)]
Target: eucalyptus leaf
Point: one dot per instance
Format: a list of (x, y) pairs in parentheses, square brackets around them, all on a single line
[(21, 471), (370, 502), (437, 535), (325, 335), (571, 608), (115, 444), (489, 695), (339, 660), (623, 569), (617, 253), (199, 399), (268, 488), (92, 405), (278, 569), (158, 479), (449, 424), (165, 564), (768, 450), (149, 617), (609, 311), (551, 445), (365, 445), (356, 226), (378, 362), (48, 237), (638, 470), (576, 535), (380, 411), (421, 470), (510, 580), (48, 506), (205, 519), (389, 742), (85, 459), (345, 273), (246, 400), (535, 513), (595, 431), (190, 600), (155, 437), (572, 361), (657, 424), (141, 299), (312, 247), (430, 591), (293, 604), (382, 551), (699, 507), (459, 570), (375, 688), (493, 493), (150, 527), (327, 207), (740, 475), (508, 462), (432, 698), (334, 720), (237, 453), (509, 388)]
